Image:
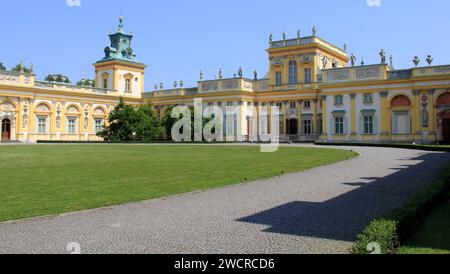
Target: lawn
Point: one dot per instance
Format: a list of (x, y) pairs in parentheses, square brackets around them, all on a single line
[(433, 237), (51, 179)]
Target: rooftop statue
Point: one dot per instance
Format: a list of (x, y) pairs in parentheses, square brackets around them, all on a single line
[(416, 60), (255, 75), (314, 31), (383, 56), (353, 60), (221, 74), (430, 60), (299, 34), (271, 38), (240, 72)]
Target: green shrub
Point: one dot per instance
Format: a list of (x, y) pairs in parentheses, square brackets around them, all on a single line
[(390, 232), (382, 232), (391, 145)]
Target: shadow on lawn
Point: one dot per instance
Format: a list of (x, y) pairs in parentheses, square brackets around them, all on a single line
[(345, 216)]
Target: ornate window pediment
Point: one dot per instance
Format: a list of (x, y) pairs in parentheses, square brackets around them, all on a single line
[(99, 112), (7, 106), (72, 109), (43, 108)]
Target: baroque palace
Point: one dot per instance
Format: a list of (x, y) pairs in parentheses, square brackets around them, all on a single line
[(321, 91)]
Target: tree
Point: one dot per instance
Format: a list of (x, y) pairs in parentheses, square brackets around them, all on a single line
[(132, 124), (168, 122), (17, 68), (2, 67)]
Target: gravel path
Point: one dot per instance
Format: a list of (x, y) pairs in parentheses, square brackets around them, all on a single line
[(317, 211)]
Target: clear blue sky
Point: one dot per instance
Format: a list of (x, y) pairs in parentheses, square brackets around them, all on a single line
[(178, 38)]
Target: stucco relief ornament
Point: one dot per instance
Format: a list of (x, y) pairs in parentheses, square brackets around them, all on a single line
[(86, 118), (416, 60), (324, 62), (430, 60), (58, 117), (353, 60), (383, 56)]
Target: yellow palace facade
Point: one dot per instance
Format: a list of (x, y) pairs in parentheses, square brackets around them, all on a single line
[(321, 91)]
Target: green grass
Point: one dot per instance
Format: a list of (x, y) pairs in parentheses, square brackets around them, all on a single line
[(433, 237), (52, 179)]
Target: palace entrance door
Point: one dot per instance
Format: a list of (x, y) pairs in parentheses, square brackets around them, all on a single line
[(446, 130), (6, 130)]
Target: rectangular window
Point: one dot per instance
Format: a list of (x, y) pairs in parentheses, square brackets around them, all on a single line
[(293, 105), (42, 125), (71, 126), (278, 79), (338, 100), (368, 125), (307, 104), (98, 126), (105, 83), (308, 78), (368, 99), (339, 125), (128, 85), (307, 127)]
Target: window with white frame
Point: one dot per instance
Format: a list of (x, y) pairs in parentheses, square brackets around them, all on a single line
[(72, 125), (368, 99), (308, 77), (293, 78), (98, 125), (338, 100), (368, 124), (339, 124), (307, 104), (293, 105), (278, 78), (128, 85), (42, 124), (307, 126)]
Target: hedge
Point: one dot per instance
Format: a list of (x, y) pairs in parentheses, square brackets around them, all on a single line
[(405, 146), (390, 232)]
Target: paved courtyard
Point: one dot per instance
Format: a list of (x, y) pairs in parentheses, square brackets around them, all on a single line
[(317, 211)]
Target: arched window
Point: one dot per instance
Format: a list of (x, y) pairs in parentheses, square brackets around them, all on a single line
[(293, 78)]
